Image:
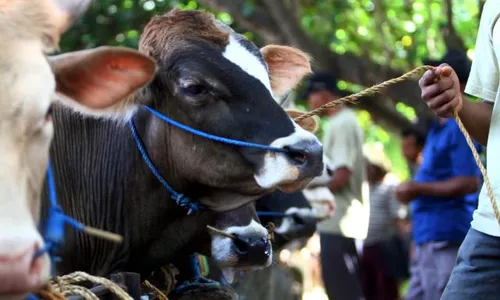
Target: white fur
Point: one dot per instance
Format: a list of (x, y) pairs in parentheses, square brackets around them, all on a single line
[(26, 86), (277, 169), (248, 62)]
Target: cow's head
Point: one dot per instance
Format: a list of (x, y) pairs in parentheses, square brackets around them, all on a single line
[(29, 81), (251, 249), (215, 80)]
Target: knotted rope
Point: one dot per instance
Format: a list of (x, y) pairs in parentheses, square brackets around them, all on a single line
[(47, 292), (407, 76), (63, 286)]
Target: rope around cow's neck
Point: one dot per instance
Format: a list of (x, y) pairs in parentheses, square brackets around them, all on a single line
[(410, 75), (53, 234), (181, 199)]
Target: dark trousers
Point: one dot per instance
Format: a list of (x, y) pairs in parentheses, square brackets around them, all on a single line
[(477, 272), (430, 270), (340, 267), (375, 279)]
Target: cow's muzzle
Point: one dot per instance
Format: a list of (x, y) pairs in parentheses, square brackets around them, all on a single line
[(253, 250), (307, 156)]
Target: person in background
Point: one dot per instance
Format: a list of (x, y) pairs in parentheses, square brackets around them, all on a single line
[(412, 144), (476, 274), (378, 261), (342, 144), (442, 196)]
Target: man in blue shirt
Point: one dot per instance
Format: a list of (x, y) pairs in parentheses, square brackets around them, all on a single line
[(442, 198)]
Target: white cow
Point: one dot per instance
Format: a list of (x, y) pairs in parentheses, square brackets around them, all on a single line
[(29, 83)]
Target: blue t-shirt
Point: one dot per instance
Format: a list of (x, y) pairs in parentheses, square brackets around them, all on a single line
[(445, 155)]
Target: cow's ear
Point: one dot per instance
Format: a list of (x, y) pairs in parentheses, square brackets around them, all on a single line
[(310, 124), (287, 67), (63, 13), (100, 78)]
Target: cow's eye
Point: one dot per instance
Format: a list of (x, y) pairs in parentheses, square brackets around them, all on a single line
[(194, 89)]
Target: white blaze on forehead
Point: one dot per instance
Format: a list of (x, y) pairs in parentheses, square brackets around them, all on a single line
[(248, 62)]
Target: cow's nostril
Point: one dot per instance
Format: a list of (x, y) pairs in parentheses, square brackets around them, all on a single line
[(296, 155), (241, 245), (254, 250)]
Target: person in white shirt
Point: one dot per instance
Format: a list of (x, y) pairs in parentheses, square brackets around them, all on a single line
[(342, 140), (476, 274)]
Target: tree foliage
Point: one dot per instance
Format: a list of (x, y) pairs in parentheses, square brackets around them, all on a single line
[(363, 41)]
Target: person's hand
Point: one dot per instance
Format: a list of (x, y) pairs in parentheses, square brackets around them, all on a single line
[(406, 192), (441, 90)]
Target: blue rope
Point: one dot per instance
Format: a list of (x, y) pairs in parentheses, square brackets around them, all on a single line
[(273, 214), (54, 227), (198, 281), (53, 235), (211, 136), (180, 199)]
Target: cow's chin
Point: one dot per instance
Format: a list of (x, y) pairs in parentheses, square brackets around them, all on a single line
[(230, 265), (294, 186), (228, 273), (225, 200)]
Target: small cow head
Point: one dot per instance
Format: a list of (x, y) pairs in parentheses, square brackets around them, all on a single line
[(217, 81), (29, 81), (251, 248)]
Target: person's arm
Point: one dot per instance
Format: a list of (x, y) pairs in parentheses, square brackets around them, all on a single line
[(456, 186), (464, 169), (342, 153), (340, 179), (476, 118)]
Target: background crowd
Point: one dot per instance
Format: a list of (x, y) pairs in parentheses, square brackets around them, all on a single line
[(385, 232)]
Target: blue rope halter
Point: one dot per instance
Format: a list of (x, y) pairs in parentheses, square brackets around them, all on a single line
[(273, 214), (182, 200), (53, 234)]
